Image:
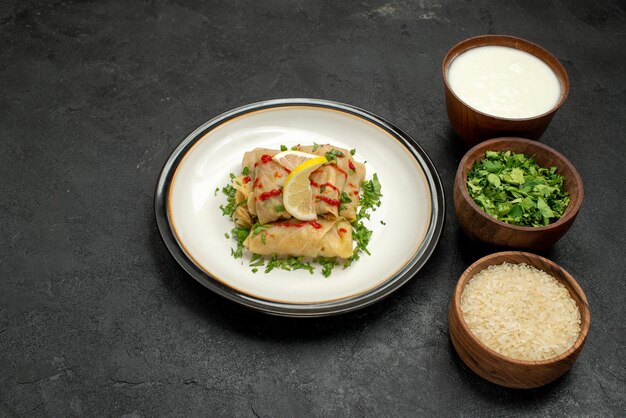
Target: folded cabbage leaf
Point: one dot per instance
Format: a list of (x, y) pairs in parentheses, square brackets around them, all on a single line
[(297, 238), (268, 178), (328, 182), (351, 189)]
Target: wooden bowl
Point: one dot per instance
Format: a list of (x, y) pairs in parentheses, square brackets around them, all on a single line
[(480, 226), (474, 126), (495, 367)]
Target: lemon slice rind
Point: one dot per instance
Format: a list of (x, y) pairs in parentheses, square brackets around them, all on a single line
[(297, 193)]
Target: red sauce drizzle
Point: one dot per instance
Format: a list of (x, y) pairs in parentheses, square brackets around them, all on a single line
[(314, 224), (256, 165), (329, 185), (356, 192), (266, 158), (332, 202), (256, 184), (246, 180), (338, 169), (342, 230), (351, 166), (351, 184), (266, 195)]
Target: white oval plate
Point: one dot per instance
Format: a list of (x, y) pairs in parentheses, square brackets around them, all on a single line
[(406, 227)]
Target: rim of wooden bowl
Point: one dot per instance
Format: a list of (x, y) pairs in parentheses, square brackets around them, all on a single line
[(572, 208), (512, 42), (471, 271)]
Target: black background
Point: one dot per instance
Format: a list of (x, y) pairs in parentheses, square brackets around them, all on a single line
[(96, 318)]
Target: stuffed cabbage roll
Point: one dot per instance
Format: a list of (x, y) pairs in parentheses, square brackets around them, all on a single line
[(243, 187), (328, 182), (352, 187), (298, 238), (268, 178), (247, 165)]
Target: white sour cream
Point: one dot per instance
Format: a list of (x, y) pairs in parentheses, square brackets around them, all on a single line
[(504, 82)]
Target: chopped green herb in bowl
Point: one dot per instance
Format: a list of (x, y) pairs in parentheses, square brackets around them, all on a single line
[(514, 189), (516, 193)]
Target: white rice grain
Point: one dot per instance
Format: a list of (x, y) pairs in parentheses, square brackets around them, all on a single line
[(520, 312)]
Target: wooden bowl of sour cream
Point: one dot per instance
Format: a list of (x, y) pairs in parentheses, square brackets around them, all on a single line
[(498, 85), (534, 319)]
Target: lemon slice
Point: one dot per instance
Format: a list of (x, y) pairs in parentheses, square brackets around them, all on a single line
[(297, 194), (290, 159)]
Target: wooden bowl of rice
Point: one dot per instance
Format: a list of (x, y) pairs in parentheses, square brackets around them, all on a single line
[(518, 320)]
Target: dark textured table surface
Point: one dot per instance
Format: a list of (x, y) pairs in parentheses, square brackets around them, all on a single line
[(96, 317)]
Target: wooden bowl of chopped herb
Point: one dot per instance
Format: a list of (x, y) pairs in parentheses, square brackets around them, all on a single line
[(516, 193), (518, 320)]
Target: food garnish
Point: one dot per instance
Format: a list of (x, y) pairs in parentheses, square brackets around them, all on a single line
[(290, 159), (297, 193)]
